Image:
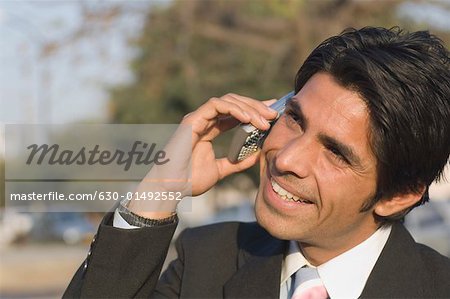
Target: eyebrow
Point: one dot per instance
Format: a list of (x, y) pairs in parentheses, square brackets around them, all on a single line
[(344, 149), (327, 141)]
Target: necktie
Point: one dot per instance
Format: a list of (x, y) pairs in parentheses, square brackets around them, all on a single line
[(308, 285)]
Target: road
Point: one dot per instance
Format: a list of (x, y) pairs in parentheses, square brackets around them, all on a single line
[(38, 271)]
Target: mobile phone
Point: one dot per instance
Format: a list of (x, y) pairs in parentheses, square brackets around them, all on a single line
[(247, 138)]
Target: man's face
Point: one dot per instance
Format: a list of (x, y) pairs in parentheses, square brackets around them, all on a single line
[(319, 152)]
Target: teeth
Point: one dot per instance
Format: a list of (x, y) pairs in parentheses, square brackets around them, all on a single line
[(286, 195)]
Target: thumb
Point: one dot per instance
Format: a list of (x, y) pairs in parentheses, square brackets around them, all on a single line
[(226, 167)]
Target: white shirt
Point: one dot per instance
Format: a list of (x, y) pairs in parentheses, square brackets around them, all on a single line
[(343, 276), (119, 222)]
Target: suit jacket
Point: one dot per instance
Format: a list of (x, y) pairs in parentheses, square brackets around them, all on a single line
[(235, 260)]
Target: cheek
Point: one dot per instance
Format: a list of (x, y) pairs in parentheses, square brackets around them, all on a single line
[(279, 135), (274, 137), (343, 190), (330, 180)]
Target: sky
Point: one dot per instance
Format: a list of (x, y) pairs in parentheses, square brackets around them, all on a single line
[(69, 85)]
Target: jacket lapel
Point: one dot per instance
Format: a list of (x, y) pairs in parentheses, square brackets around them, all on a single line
[(259, 270), (398, 273)]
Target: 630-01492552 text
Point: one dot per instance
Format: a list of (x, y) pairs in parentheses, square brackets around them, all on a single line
[(97, 195)]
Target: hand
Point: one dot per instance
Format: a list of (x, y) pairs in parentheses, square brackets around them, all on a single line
[(211, 119), (196, 153)]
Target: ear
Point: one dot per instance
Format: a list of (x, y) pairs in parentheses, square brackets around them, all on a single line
[(392, 205)]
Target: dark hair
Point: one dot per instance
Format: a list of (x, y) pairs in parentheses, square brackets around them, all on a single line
[(404, 80)]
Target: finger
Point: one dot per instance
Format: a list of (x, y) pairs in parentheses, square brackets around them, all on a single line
[(257, 119), (227, 123), (224, 115), (207, 116), (226, 167), (215, 107), (223, 124), (263, 109), (269, 102)]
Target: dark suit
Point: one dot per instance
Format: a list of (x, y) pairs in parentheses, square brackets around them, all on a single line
[(236, 260)]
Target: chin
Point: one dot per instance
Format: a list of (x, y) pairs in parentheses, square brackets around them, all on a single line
[(274, 224)]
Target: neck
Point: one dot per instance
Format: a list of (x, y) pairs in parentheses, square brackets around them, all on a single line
[(318, 254)]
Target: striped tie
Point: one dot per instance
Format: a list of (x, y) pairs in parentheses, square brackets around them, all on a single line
[(308, 285)]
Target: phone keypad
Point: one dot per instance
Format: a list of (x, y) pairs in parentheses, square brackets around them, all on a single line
[(251, 144)]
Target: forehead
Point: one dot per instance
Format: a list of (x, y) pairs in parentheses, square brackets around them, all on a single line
[(322, 91), (335, 111)]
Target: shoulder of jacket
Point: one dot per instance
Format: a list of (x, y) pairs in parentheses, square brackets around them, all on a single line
[(435, 261)]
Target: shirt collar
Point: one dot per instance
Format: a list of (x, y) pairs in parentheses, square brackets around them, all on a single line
[(345, 275), (293, 261)]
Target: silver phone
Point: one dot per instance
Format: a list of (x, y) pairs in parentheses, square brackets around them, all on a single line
[(247, 138)]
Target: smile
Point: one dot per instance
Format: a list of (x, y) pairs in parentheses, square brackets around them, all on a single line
[(286, 195)]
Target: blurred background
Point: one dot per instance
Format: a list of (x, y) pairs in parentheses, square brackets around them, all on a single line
[(136, 62)]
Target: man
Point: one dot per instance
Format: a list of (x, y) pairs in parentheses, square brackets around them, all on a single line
[(356, 149)]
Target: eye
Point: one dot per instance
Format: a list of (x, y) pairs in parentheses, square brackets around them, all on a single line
[(293, 120), (337, 155)]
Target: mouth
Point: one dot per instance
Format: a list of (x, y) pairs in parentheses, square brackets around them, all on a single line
[(286, 195)]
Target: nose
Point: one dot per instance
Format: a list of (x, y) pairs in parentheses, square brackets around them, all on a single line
[(297, 156)]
